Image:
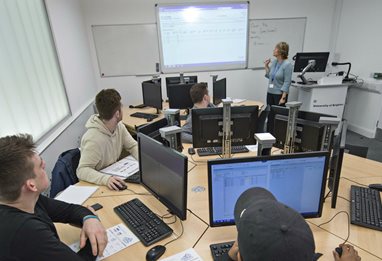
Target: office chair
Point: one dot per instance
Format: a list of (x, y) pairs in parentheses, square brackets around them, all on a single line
[(261, 120), (64, 171)]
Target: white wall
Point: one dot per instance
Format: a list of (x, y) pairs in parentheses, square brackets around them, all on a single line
[(249, 84), (72, 46)]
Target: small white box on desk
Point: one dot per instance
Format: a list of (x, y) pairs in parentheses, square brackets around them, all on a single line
[(328, 80)]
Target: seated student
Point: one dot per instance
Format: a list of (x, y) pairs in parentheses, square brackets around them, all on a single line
[(201, 99), (104, 141), (27, 231), (269, 230)]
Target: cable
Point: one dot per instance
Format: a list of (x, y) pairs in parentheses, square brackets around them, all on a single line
[(205, 230), (138, 193), (181, 233), (196, 161), (347, 214), (192, 168), (355, 182)]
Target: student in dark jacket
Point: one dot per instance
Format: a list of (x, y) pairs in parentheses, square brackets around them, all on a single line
[(27, 231)]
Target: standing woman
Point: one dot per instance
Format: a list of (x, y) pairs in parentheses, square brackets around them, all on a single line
[(279, 74)]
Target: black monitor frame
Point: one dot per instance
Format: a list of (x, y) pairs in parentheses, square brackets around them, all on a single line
[(336, 160), (207, 124), (179, 96), (152, 94), (211, 163), (158, 179), (152, 129), (302, 60), (219, 90)]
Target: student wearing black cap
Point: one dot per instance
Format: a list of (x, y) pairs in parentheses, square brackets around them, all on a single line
[(269, 230)]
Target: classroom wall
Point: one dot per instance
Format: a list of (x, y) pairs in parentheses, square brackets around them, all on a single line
[(72, 46), (249, 84)]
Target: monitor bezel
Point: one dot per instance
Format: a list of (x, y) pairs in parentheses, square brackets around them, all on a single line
[(158, 94), (216, 88), (210, 163), (199, 143), (321, 59), (180, 213)]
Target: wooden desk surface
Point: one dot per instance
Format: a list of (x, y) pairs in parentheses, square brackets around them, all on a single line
[(327, 236)]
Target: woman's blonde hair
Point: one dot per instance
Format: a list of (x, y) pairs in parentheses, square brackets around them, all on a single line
[(283, 48)]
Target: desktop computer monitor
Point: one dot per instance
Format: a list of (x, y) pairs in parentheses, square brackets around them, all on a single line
[(219, 90), (296, 180), (303, 59), (179, 96), (164, 174), (152, 129), (336, 159), (309, 132), (207, 126), (152, 94)]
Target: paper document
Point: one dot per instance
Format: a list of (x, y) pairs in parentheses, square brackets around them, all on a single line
[(119, 237), (252, 147), (238, 100), (76, 194), (123, 168), (187, 255)]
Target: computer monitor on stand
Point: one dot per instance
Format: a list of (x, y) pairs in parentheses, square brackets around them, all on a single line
[(310, 62), (164, 173), (297, 180), (152, 94), (207, 126), (336, 159), (219, 90)]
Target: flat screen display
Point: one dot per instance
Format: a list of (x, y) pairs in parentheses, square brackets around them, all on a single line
[(296, 180), (203, 37)]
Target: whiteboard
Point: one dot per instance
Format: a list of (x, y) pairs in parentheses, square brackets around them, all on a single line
[(130, 49), (264, 34)]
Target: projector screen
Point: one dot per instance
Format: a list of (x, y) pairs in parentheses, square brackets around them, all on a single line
[(203, 37)]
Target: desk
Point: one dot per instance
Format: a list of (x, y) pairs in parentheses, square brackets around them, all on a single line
[(366, 241), (133, 122)]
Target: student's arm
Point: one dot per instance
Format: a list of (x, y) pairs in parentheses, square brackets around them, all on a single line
[(78, 215), (35, 241), (90, 158)]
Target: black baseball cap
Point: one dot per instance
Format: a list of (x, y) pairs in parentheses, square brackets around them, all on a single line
[(270, 230)]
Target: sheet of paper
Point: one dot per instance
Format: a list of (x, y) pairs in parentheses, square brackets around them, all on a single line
[(251, 147), (76, 194), (119, 238), (238, 100), (187, 255), (123, 168)]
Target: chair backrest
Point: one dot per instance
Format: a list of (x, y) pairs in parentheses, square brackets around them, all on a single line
[(64, 171)]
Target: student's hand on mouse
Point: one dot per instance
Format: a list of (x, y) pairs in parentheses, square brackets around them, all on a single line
[(114, 182), (348, 254), (233, 252), (93, 230)]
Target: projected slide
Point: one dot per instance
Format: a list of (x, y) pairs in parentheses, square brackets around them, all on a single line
[(203, 37)]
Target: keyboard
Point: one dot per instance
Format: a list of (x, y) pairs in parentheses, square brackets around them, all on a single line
[(365, 207), (143, 222), (135, 178), (218, 150), (143, 115), (219, 251)]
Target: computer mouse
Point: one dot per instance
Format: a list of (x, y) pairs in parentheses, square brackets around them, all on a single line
[(376, 186), (149, 119), (339, 250), (131, 106), (121, 186), (191, 151), (155, 253)]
